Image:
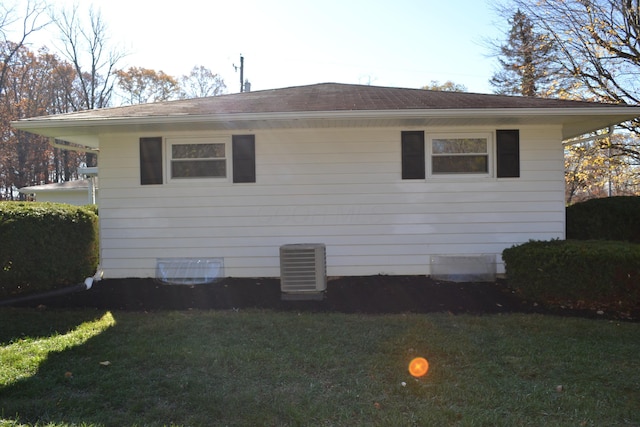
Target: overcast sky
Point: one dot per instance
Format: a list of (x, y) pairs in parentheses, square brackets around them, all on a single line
[(403, 43)]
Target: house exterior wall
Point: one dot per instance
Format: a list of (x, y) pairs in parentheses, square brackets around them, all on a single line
[(341, 187)]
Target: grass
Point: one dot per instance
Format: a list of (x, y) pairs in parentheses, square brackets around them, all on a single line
[(251, 368)]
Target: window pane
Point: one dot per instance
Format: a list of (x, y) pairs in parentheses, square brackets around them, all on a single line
[(459, 145), (199, 169), (197, 151), (460, 164)]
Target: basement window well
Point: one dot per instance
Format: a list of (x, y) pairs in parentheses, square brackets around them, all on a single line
[(189, 271), (464, 268)]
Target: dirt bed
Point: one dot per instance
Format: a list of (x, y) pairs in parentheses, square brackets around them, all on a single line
[(366, 294)]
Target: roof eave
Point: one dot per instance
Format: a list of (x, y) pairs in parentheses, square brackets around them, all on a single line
[(575, 121)]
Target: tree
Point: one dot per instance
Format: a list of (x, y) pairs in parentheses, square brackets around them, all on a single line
[(142, 85), (95, 65), (447, 86), (88, 51), (30, 22), (30, 90), (526, 61), (61, 96), (36, 84), (594, 169), (597, 52), (201, 82), (597, 41)]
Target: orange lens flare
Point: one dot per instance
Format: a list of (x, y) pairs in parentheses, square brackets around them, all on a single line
[(418, 367)]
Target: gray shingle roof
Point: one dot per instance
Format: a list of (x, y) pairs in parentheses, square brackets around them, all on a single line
[(329, 97), (331, 105)]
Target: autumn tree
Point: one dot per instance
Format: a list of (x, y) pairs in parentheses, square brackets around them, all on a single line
[(29, 18), (142, 85), (36, 84), (597, 55), (26, 158), (86, 47), (593, 171), (447, 86), (62, 94), (597, 42), (201, 82), (527, 61)]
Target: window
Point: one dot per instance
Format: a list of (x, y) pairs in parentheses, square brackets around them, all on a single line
[(461, 154), (413, 155), (455, 154), (192, 158)]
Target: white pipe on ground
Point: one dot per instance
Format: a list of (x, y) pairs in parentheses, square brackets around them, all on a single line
[(88, 282)]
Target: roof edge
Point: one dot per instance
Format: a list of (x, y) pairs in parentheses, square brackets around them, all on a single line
[(41, 123)]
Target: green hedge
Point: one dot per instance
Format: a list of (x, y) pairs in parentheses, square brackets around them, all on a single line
[(44, 246), (611, 218), (580, 273)]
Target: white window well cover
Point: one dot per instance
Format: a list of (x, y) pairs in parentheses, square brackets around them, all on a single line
[(189, 271), (464, 268)]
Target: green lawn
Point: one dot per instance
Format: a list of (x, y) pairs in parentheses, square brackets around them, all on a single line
[(250, 368)]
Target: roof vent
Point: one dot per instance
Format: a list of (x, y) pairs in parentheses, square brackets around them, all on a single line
[(303, 271)]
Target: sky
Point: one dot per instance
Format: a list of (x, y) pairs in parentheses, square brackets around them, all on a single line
[(399, 43)]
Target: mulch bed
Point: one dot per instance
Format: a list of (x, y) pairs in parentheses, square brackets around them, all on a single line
[(365, 294)]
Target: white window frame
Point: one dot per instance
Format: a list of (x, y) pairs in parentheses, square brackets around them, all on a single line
[(429, 138), (170, 142)]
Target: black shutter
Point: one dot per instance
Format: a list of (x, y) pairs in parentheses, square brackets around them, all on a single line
[(244, 158), (413, 159), (150, 161), (508, 153)]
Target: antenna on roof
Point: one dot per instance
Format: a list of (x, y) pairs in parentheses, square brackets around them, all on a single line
[(244, 85)]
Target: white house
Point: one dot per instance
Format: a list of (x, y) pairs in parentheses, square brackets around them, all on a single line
[(392, 181)]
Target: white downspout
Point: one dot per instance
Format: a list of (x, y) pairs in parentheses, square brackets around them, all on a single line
[(92, 191), (88, 282)]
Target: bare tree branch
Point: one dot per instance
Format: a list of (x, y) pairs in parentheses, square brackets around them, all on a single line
[(88, 50), (201, 82), (30, 21)]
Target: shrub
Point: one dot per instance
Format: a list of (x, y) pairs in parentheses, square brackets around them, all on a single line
[(45, 246), (581, 273), (612, 218)]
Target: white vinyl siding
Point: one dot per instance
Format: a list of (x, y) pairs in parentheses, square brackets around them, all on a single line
[(340, 187)]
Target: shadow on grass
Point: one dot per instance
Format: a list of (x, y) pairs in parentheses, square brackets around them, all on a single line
[(55, 356), (262, 367), (164, 368), (209, 368)]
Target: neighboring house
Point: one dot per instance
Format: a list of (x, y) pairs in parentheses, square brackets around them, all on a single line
[(77, 192), (392, 181)]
